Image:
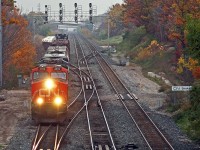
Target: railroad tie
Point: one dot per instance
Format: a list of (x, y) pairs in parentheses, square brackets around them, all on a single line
[(100, 147), (107, 147), (86, 87), (130, 96), (90, 86), (135, 96), (116, 96), (88, 79), (122, 97)]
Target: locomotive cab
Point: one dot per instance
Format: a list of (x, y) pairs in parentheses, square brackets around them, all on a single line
[(49, 91)]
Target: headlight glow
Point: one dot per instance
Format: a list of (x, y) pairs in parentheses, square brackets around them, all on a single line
[(58, 101), (40, 101), (49, 84)]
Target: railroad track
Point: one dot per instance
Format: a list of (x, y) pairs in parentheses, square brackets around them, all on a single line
[(151, 134), (99, 132)]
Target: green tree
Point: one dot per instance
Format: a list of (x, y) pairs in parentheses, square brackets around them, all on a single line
[(193, 38)]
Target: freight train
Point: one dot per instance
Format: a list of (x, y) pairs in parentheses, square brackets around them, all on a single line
[(49, 82)]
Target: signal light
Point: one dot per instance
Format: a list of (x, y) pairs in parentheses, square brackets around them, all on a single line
[(90, 5), (60, 18), (90, 11), (46, 14), (90, 18), (76, 11), (60, 12), (75, 5), (76, 19), (46, 18)]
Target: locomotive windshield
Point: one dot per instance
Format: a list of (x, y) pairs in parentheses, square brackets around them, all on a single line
[(40, 75), (59, 75)]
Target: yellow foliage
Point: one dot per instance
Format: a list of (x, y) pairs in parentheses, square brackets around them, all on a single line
[(154, 42), (150, 50), (181, 60), (179, 69), (144, 53), (191, 64)]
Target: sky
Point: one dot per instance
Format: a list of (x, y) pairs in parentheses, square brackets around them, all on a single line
[(29, 5)]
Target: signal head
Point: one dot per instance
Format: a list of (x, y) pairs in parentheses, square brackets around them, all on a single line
[(75, 4)]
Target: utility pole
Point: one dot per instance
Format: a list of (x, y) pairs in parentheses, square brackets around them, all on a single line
[(1, 61), (34, 22), (109, 35)]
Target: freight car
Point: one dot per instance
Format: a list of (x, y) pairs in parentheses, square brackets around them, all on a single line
[(49, 83), (47, 41)]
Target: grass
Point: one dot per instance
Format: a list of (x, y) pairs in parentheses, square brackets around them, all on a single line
[(112, 40)]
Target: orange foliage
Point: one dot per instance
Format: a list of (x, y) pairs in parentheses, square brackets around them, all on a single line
[(18, 49), (174, 35), (196, 72), (23, 58)]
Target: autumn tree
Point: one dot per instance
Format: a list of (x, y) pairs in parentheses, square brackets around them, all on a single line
[(176, 13), (18, 50), (141, 12), (116, 18)]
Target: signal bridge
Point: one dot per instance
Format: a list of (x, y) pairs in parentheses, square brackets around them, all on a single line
[(63, 16)]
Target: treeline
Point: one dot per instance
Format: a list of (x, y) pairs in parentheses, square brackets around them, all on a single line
[(176, 21), (18, 49)]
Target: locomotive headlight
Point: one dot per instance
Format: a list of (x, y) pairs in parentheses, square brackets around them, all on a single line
[(40, 101), (49, 84), (58, 101)]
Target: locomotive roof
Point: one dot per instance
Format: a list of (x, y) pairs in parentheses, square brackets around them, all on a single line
[(49, 39), (58, 48), (48, 61)]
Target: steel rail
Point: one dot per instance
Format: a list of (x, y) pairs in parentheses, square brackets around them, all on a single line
[(75, 99), (99, 102), (56, 138), (86, 107), (36, 144)]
